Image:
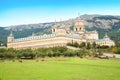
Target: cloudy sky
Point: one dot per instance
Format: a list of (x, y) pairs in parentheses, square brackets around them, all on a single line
[(15, 12)]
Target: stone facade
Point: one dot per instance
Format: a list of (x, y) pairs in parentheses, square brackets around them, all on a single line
[(61, 35), (106, 41)]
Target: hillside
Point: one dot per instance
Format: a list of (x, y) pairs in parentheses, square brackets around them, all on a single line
[(101, 23)]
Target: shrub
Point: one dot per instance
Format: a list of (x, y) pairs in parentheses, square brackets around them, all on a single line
[(9, 55), (116, 50), (1, 55), (50, 55), (80, 54), (32, 55)]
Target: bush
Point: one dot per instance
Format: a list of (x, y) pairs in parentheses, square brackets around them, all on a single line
[(9, 55), (116, 50), (32, 55), (1, 55), (50, 55), (75, 44), (83, 44), (80, 54)]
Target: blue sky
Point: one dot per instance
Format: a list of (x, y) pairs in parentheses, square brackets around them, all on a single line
[(15, 12)]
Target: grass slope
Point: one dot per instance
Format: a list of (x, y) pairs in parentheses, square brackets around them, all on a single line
[(61, 69)]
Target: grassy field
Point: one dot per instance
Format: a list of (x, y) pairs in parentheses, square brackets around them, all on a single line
[(61, 69)]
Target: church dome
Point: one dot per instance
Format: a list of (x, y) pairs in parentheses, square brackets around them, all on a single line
[(79, 24)]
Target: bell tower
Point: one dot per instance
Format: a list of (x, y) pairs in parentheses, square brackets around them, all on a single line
[(10, 38), (55, 27)]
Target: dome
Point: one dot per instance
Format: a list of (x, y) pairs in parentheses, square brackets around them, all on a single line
[(79, 26), (79, 23)]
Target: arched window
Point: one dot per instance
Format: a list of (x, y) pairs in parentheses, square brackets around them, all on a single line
[(76, 29), (80, 28), (53, 30)]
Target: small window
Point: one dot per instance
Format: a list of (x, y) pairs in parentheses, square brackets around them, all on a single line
[(80, 28), (53, 30), (76, 29)]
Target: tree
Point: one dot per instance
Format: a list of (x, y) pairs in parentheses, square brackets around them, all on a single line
[(1, 55), (9, 55), (70, 44), (32, 55), (62, 49), (83, 44), (88, 46), (116, 50), (10, 50), (94, 45), (50, 54), (117, 44), (75, 44), (3, 50), (80, 54)]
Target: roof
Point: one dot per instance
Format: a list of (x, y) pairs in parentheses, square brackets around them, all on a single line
[(103, 40), (77, 36), (35, 37), (2, 47), (79, 23)]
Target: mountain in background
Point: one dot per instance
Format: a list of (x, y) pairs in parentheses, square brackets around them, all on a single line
[(102, 23)]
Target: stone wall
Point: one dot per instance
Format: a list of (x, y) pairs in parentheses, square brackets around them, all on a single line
[(47, 42)]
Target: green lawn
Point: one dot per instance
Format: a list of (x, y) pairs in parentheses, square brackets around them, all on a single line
[(61, 69)]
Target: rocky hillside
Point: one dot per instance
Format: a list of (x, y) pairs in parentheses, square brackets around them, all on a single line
[(101, 23), (29, 26)]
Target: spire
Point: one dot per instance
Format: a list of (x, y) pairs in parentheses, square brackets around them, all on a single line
[(55, 22), (79, 17), (11, 33)]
